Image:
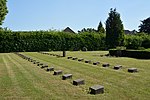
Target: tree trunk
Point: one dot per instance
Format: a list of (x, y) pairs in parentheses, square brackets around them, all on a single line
[(64, 53)]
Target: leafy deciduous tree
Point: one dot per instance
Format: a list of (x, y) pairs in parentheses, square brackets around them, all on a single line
[(145, 26), (3, 10)]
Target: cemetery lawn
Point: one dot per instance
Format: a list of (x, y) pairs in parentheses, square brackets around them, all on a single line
[(23, 80)]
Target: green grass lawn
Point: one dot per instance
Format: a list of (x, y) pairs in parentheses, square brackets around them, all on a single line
[(23, 80)]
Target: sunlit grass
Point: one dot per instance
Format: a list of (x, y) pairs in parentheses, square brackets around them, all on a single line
[(32, 82)]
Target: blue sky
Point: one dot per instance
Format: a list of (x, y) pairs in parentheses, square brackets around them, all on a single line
[(77, 14)]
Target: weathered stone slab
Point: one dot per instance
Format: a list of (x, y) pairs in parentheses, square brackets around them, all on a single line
[(50, 69), (29, 59), (45, 53), (54, 55), (48, 54), (106, 65), (96, 63), (117, 67), (132, 70), (78, 82), (33, 60), (59, 56), (24, 57), (80, 59), (58, 72), (36, 62), (69, 57), (97, 89), (74, 58), (44, 66), (66, 76), (88, 61), (39, 64)]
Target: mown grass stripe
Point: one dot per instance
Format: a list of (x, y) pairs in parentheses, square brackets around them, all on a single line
[(30, 84), (49, 83), (16, 92)]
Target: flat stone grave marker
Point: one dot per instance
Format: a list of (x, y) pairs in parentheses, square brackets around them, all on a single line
[(59, 56), (117, 67), (50, 69), (44, 66), (96, 63), (33, 60), (24, 57), (58, 72), (54, 54), (106, 65), (69, 57), (97, 89), (66, 76), (80, 59), (39, 64), (88, 61), (132, 70), (78, 82), (74, 58), (29, 59), (51, 54), (36, 62)]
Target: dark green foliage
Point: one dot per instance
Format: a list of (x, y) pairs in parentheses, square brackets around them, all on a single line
[(114, 30), (100, 28), (49, 40), (59, 41), (145, 26), (93, 41), (140, 54), (117, 53), (3, 10), (89, 30), (133, 41), (146, 42)]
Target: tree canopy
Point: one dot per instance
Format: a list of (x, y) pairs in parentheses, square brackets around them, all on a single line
[(114, 30), (3, 10), (89, 30), (145, 26)]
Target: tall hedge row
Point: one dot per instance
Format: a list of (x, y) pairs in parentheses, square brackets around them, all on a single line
[(59, 41), (49, 40)]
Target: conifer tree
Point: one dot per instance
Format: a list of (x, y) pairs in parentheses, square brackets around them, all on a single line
[(100, 28), (114, 30)]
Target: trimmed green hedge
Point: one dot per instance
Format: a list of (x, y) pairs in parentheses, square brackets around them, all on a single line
[(49, 41), (139, 54), (11, 41)]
